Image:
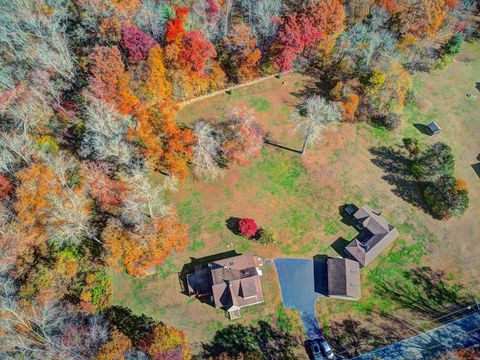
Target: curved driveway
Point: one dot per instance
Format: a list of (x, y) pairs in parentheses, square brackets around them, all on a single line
[(302, 281)]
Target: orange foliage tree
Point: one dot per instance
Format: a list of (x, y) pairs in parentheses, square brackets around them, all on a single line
[(423, 18), (166, 146), (245, 55), (350, 105), (165, 342), (140, 248), (117, 344), (329, 17), (157, 84)]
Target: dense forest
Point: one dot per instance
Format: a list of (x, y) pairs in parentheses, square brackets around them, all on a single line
[(89, 92)]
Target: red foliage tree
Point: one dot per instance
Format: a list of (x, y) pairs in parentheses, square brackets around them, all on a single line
[(106, 191), (5, 187), (175, 26), (195, 51), (248, 227), (296, 34), (136, 43)]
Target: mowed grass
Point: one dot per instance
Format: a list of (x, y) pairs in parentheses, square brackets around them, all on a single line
[(298, 199)]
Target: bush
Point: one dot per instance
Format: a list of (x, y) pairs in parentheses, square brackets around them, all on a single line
[(266, 237), (447, 197), (412, 146), (248, 227), (454, 45), (388, 121)]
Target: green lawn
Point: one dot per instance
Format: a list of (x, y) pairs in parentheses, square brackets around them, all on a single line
[(298, 199)]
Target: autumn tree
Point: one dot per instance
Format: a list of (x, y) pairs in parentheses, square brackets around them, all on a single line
[(142, 247), (244, 54), (329, 17), (106, 191), (136, 43), (158, 86), (244, 137), (166, 343), (116, 346), (175, 27), (5, 187), (296, 35), (106, 70), (166, 147)]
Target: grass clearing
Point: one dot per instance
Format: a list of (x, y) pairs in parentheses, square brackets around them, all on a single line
[(298, 198)]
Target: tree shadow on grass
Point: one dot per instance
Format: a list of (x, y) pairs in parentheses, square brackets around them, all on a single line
[(136, 327), (350, 337), (260, 341), (396, 165), (425, 291)]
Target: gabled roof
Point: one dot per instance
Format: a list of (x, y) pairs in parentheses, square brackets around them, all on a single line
[(343, 278), (236, 282), (376, 236)]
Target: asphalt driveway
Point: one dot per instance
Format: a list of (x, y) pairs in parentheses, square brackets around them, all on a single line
[(302, 281)]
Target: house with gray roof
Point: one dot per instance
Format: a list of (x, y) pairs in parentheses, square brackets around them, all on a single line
[(343, 278), (375, 235), (231, 283)]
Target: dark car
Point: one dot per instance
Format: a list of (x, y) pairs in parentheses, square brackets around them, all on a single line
[(327, 351), (315, 350)]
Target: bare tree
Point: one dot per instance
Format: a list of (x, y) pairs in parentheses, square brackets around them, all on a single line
[(261, 16), (31, 39), (15, 150), (143, 201), (105, 131), (315, 116), (206, 152)]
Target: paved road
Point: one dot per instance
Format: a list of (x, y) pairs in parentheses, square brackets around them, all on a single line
[(302, 281), (462, 333)]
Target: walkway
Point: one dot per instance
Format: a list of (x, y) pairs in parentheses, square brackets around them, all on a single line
[(462, 333), (302, 281)]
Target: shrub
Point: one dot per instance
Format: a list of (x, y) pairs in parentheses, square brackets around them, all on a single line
[(388, 121), (248, 227), (266, 237), (412, 146), (447, 197), (454, 45)]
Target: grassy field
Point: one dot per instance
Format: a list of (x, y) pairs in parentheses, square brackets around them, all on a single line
[(298, 198)]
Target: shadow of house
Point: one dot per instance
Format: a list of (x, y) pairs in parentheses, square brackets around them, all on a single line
[(230, 283), (200, 263), (339, 246), (320, 274), (476, 168), (422, 128)]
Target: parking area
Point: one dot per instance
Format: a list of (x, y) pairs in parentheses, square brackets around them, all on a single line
[(302, 281)]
